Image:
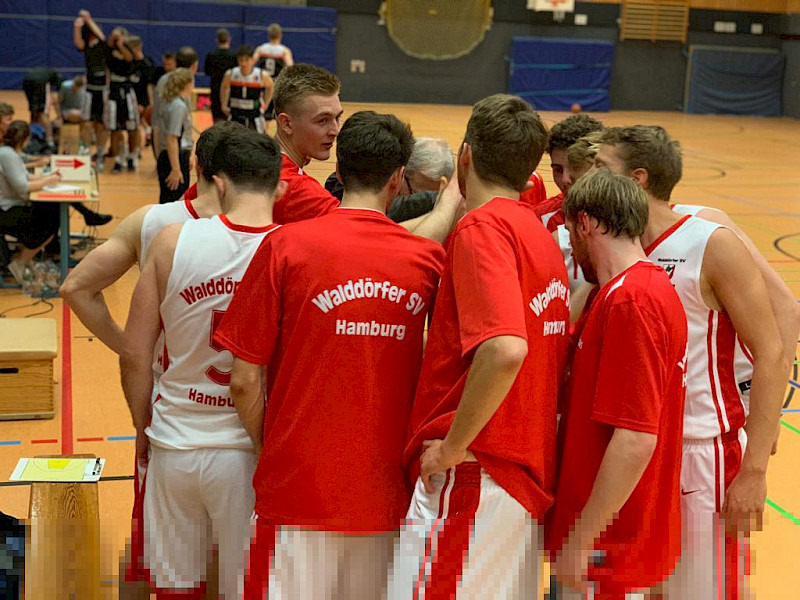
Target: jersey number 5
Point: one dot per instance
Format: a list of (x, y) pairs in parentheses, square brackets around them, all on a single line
[(213, 373)]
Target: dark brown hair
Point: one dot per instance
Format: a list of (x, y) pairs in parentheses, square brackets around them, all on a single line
[(16, 134)]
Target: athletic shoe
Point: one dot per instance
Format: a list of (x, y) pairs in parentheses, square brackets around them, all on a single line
[(19, 271), (101, 166), (131, 164), (117, 168)]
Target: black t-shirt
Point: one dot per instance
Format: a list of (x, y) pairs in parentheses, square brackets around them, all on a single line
[(120, 69), (217, 62), (156, 74), (95, 51), (142, 76)]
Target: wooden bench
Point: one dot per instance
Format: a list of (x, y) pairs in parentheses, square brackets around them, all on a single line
[(62, 558), (27, 350), (69, 138)]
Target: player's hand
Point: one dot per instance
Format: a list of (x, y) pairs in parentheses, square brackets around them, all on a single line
[(42, 161), (78, 22), (84, 14), (142, 448), (572, 564), (744, 502), (174, 179), (437, 457), (53, 178), (226, 111)]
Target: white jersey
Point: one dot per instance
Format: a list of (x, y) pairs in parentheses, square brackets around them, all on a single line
[(689, 209), (194, 408), (720, 370), (271, 57), (246, 91), (160, 216), (574, 271)]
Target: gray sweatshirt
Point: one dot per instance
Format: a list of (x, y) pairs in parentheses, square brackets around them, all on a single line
[(14, 186)]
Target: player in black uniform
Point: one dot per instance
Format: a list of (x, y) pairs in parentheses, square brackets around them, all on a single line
[(41, 89), (217, 63), (122, 112), (89, 39)]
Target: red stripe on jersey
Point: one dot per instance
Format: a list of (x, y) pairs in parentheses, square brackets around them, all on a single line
[(245, 228), (745, 351), (712, 361), (454, 537), (668, 232), (190, 208), (248, 84), (732, 401)]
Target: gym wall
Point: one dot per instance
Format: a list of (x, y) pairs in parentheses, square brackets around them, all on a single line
[(39, 32)]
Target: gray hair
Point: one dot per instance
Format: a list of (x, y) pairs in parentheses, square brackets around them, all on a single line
[(432, 157)]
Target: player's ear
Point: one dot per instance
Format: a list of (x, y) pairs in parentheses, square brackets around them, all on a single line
[(640, 176), (583, 224), (280, 190), (221, 186), (464, 156), (285, 122)]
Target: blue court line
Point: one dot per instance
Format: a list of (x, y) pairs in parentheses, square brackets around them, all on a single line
[(794, 384), (11, 443), (121, 438), (791, 410)]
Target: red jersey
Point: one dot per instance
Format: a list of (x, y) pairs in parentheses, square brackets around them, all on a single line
[(551, 213), (535, 195), (335, 307), (628, 371), (504, 276), (304, 198)]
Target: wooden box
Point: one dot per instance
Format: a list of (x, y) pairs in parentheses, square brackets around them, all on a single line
[(27, 350)]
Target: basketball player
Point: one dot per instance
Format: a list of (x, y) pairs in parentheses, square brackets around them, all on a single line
[(618, 492), (89, 38), (273, 57), (122, 110), (352, 289), (482, 451), (246, 90), (201, 461), (217, 63), (41, 90), (83, 287), (736, 373)]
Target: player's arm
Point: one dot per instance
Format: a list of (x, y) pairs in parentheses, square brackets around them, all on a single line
[(494, 369), (738, 286), (785, 308), (87, 18), (247, 392), (83, 287), (77, 38), (269, 87), (225, 93), (625, 460), (438, 223), (288, 58)]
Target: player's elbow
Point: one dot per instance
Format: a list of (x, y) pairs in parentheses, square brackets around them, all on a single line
[(637, 447), (508, 352), (69, 290), (243, 379)]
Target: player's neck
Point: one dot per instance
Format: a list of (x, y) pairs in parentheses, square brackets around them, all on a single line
[(250, 209), (289, 150), (366, 200), (480, 192), (206, 204), (615, 255), (660, 219)]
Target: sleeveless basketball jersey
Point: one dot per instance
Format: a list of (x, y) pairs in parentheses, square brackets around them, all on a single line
[(688, 209), (720, 370), (158, 217), (574, 271), (246, 91), (271, 58), (194, 408)]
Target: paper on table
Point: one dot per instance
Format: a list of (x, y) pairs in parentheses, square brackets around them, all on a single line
[(59, 469), (62, 188)]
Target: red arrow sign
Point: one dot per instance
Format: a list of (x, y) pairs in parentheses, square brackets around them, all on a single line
[(72, 164)]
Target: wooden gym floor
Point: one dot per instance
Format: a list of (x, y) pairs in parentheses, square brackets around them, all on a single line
[(748, 167)]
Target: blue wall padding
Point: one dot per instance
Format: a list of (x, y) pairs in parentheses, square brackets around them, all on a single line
[(39, 32), (554, 74), (735, 82)]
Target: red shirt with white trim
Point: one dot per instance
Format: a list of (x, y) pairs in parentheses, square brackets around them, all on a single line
[(504, 276), (336, 308), (305, 198), (536, 195), (628, 371)]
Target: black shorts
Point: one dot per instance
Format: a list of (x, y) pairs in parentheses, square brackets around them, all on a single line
[(94, 108), (251, 120), (163, 167), (38, 96), (31, 224), (122, 110)]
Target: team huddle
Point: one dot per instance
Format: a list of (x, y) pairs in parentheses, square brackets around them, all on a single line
[(352, 408)]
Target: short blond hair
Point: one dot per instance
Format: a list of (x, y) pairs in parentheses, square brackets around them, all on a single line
[(298, 82), (616, 201), (584, 150), (177, 81), (274, 31)]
